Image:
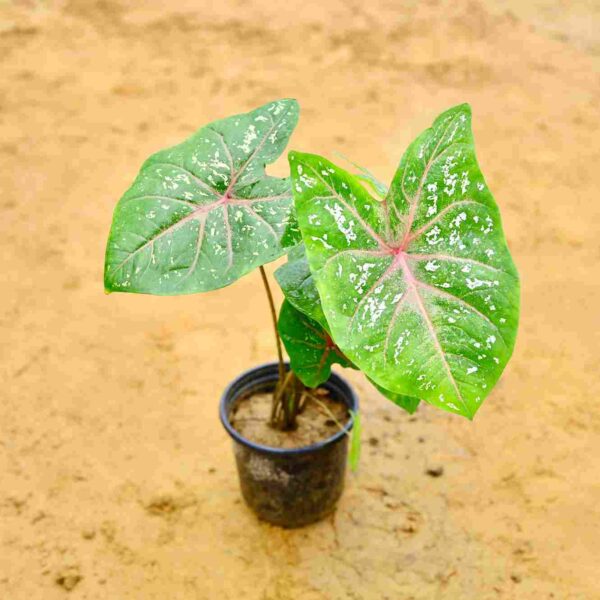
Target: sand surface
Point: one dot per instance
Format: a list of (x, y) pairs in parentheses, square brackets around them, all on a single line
[(116, 478)]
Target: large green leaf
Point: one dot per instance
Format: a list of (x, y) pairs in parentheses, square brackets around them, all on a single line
[(203, 213), (419, 290), (311, 350), (298, 285)]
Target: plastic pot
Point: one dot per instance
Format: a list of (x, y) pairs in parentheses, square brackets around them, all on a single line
[(288, 487)]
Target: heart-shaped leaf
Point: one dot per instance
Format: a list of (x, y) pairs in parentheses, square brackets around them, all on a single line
[(298, 285), (203, 213), (419, 290), (311, 350)]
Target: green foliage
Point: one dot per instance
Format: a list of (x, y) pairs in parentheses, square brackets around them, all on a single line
[(311, 350), (419, 290), (408, 403), (203, 213), (298, 285), (413, 285)]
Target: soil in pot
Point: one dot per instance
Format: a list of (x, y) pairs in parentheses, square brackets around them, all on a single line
[(317, 422)]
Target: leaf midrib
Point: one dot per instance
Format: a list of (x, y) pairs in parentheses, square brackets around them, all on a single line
[(415, 200), (412, 281)]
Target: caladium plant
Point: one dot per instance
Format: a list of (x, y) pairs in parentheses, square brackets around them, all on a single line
[(413, 285)]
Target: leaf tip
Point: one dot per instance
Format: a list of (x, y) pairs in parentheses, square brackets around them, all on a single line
[(293, 103), (464, 108), (469, 412), (111, 284), (291, 107), (454, 111)]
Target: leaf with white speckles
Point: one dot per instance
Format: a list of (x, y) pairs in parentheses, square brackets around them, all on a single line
[(419, 290), (202, 214), (298, 285)]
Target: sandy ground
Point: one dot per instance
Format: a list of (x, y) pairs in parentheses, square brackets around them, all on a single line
[(116, 478)]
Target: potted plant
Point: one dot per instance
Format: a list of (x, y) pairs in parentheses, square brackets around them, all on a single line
[(413, 285)]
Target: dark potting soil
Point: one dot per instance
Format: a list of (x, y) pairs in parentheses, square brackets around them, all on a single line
[(250, 417)]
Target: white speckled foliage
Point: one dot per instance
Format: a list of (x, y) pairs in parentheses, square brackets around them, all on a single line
[(305, 331), (203, 213), (419, 289)]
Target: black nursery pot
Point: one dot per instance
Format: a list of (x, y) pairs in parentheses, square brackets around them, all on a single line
[(288, 487)]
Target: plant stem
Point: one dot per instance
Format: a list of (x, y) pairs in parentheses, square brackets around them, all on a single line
[(280, 395), (274, 319), (277, 395)]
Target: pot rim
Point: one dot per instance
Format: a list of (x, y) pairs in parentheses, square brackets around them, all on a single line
[(335, 379)]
